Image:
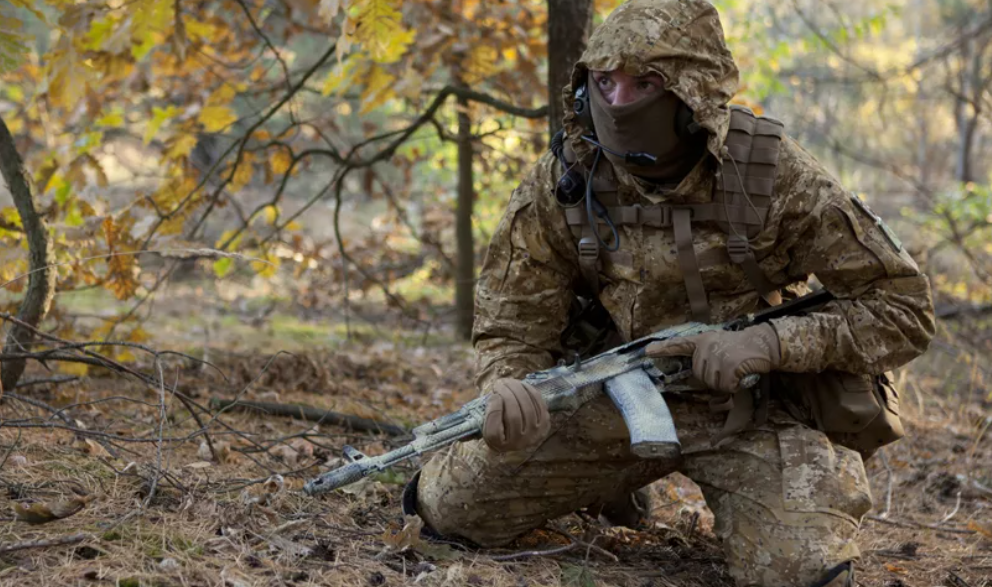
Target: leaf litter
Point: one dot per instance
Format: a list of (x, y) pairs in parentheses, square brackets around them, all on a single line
[(234, 514)]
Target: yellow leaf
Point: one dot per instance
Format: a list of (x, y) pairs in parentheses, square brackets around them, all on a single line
[(377, 25), (281, 161), (159, 117), (112, 119), (13, 44), (480, 63), (150, 19), (244, 172), (267, 266), (339, 77), (222, 95), (68, 78), (77, 369), (271, 214), (379, 89), (199, 31), (216, 118), (181, 146)]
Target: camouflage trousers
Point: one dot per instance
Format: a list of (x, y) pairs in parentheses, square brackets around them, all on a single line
[(787, 503)]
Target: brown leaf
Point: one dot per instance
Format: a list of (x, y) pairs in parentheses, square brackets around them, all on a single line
[(985, 531), (90, 447), (42, 513), (223, 450)]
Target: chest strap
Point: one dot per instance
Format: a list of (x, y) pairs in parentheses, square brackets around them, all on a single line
[(682, 225), (662, 215)]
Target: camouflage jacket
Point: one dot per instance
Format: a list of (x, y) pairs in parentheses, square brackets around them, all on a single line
[(883, 317)]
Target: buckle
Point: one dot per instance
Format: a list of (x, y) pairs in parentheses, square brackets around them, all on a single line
[(638, 212), (588, 248), (738, 248), (665, 214)]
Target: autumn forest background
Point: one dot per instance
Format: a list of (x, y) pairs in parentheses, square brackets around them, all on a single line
[(287, 201)]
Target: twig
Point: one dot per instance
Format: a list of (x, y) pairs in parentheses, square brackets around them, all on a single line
[(310, 414), (957, 506), (61, 415), (53, 380), (917, 525), (162, 415), (529, 553), (43, 543), (888, 489)]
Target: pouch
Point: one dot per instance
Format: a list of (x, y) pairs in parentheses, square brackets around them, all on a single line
[(860, 412)]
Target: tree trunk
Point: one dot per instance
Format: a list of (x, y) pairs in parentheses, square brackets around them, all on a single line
[(465, 264), (569, 25), (41, 282)]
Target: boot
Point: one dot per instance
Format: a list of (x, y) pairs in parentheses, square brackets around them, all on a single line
[(840, 576), (630, 510)]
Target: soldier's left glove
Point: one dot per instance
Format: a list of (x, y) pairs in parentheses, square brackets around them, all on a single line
[(720, 359), (516, 416)]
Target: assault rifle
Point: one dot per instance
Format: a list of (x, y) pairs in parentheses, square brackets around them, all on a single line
[(634, 381)]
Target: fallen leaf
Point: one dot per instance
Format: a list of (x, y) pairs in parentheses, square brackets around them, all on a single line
[(90, 447), (41, 513), (222, 448), (409, 537), (983, 530)]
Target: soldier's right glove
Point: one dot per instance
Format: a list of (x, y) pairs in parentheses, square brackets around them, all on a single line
[(516, 416), (721, 359)]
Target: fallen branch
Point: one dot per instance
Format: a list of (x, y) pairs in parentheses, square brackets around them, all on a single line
[(529, 553), (52, 380), (75, 538), (310, 414), (918, 526)]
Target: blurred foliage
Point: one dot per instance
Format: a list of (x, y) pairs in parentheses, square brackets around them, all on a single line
[(166, 126)]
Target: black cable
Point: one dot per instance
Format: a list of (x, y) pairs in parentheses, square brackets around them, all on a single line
[(601, 212)]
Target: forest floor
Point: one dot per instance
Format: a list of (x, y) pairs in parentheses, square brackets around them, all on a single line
[(133, 498)]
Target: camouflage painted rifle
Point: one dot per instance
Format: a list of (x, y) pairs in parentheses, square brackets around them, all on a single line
[(633, 381)]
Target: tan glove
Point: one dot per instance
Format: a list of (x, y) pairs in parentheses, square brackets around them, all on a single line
[(720, 359), (516, 416)]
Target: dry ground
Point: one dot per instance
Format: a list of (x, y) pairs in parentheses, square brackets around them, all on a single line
[(206, 522)]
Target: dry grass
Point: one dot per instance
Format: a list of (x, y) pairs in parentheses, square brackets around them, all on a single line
[(213, 523)]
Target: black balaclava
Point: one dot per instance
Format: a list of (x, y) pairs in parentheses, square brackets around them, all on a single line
[(647, 125)]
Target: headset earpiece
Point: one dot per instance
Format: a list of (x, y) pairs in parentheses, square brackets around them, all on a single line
[(685, 123), (583, 111)]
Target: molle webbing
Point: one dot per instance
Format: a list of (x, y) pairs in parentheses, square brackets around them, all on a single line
[(747, 179), (741, 201), (747, 173), (660, 215)]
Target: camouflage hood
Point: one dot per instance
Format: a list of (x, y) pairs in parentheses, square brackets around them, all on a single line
[(682, 40)]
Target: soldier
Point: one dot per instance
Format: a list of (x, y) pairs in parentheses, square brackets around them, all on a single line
[(667, 205)]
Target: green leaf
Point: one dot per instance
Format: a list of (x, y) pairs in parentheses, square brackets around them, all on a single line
[(222, 267), (113, 119), (62, 194), (159, 117)]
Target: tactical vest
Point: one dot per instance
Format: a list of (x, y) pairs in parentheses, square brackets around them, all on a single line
[(741, 199)]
